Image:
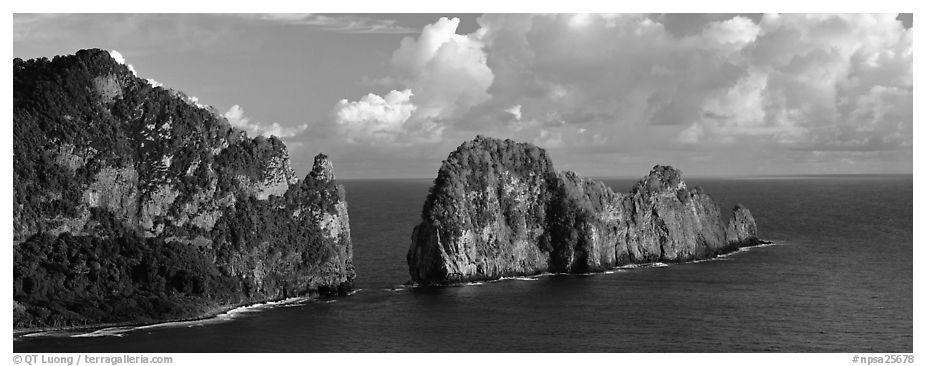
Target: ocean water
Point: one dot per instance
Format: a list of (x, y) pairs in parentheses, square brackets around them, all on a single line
[(838, 278)]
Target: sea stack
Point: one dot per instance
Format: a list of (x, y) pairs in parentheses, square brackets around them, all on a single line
[(498, 208), (135, 203)]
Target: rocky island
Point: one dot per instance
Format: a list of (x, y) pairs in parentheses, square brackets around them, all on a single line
[(498, 208), (134, 203)]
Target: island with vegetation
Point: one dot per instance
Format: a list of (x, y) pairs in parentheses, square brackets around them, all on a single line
[(133, 203), (498, 208)]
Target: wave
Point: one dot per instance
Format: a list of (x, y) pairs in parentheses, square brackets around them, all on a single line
[(763, 245), (517, 278), (294, 305), (236, 312), (643, 265), (722, 257), (253, 308), (726, 256), (58, 333), (105, 332)]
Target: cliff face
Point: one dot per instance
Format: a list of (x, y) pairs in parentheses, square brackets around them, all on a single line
[(485, 214), (134, 202), (498, 208)]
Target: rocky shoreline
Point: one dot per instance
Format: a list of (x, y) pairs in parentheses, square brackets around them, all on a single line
[(632, 266)]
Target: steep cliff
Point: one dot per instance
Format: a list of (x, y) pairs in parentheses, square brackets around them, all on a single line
[(499, 208), (136, 203)]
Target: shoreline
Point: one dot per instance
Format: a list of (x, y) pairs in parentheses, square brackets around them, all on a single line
[(215, 312), (475, 281), (212, 313)]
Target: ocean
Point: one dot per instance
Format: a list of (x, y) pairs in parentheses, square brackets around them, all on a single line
[(838, 278)]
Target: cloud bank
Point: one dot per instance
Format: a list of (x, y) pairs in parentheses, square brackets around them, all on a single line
[(795, 86)]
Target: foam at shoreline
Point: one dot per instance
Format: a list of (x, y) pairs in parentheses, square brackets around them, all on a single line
[(643, 265), (121, 331), (626, 267)]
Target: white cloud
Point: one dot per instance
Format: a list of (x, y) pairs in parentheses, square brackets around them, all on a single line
[(374, 118), (236, 117), (195, 102), (782, 86), (792, 81), (741, 111), (153, 83), (121, 60), (737, 31), (515, 111), (449, 76), (117, 57), (447, 71)]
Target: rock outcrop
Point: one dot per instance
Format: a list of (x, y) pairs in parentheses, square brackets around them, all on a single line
[(499, 208), (133, 202)]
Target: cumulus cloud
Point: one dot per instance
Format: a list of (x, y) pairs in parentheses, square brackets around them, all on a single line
[(737, 31), (792, 81), (374, 118), (445, 71), (780, 86), (236, 117), (117, 56), (820, 82), (121, 60)]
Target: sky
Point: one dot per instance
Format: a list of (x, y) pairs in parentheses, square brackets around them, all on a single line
[(391, 95)]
